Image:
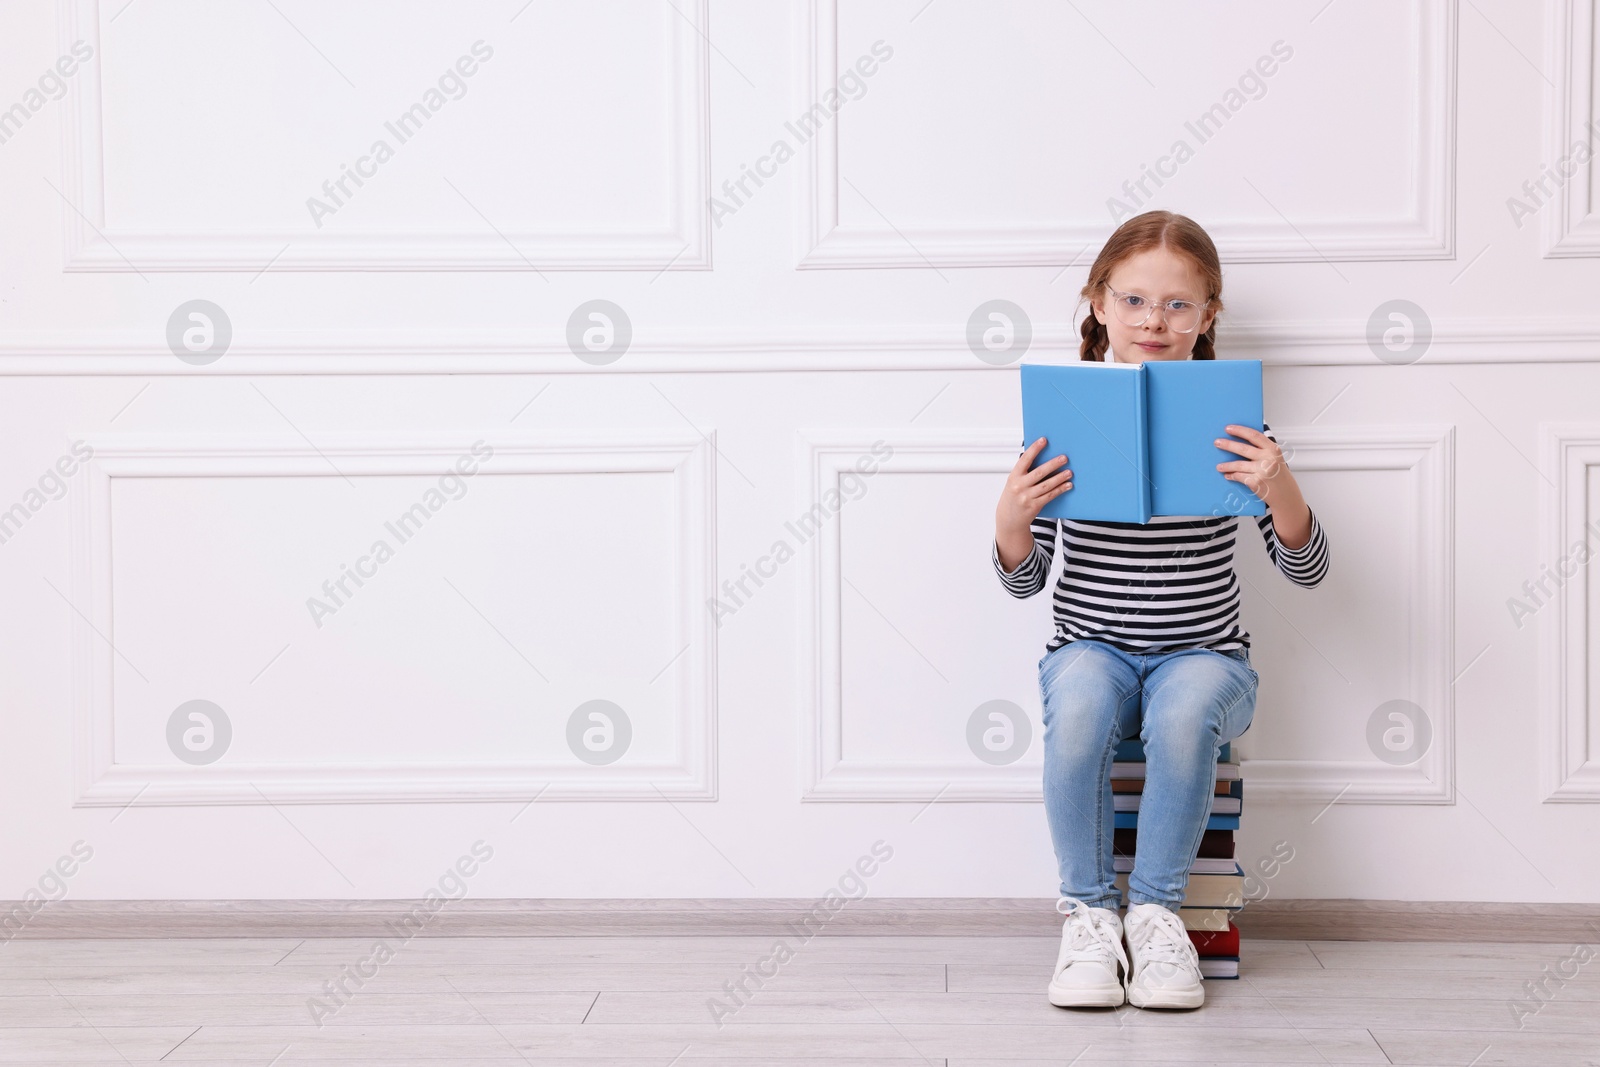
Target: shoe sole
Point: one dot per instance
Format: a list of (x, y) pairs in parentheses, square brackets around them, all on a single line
[(1167, 999), (1087, 998)]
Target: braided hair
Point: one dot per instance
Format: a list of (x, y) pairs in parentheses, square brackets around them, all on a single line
[(1153, 229)]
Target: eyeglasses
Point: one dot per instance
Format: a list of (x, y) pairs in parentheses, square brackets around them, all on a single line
[(1181, 316)]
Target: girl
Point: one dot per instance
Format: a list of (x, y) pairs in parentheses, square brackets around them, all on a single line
[(1147, 637)]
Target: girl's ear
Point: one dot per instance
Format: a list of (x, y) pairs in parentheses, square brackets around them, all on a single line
[(1205, 321), (1099, 311)]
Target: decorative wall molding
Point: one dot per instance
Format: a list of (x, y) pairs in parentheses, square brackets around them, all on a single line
[(1569, 758), (94, 245), (912, 347), (1571, 228), (825, 773), (688, 459), (1426, 452), (1426, 232)]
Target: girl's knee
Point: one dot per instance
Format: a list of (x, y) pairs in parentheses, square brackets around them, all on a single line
[(1079, 731), (1196, 728), (1192, 733)]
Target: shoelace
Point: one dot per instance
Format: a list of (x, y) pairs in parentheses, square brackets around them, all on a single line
[(1093, 939), (1161, 938)]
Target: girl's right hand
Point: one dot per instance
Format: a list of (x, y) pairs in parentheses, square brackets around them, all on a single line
[(1028, 491)]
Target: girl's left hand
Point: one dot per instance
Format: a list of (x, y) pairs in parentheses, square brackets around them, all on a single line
[(1263, 469)]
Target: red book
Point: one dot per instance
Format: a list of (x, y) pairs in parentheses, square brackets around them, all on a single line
[(1216, 942), (1136, 785)]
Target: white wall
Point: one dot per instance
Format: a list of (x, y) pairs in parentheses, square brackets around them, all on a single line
[(775, 338)]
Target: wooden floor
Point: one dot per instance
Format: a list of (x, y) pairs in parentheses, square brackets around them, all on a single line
[(856, 1001)]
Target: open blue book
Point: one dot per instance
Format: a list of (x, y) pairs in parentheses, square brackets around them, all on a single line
[(1138, 435)]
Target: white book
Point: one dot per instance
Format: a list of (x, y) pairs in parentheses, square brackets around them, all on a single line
[(1219, 805), (1201, 865)]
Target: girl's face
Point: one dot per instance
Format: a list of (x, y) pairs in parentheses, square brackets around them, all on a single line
[(1158, 275)]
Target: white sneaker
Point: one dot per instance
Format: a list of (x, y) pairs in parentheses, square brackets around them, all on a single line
[(1090, 967), (1165, 963)]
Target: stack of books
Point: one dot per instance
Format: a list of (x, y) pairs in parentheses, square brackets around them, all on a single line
[(1215, 890)]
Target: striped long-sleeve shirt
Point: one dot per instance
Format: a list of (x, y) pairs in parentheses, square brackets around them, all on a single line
[(1156, 586)]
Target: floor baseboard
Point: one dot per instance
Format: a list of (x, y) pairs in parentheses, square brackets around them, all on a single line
[(1313, 920)]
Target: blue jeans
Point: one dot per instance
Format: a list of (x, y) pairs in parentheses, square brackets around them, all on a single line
[(1192, 701)]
